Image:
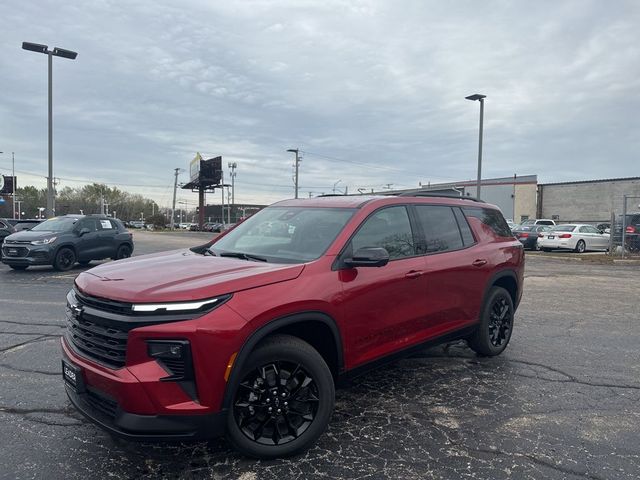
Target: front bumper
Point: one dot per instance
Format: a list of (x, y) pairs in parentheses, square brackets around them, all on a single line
[(27, 254), (97, 407), (106, 396)]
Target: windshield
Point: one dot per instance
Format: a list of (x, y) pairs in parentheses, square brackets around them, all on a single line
[(564, 228), (285, 234), (56, 224)]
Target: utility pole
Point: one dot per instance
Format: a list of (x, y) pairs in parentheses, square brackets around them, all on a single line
[(473, 98), (19, 202), (13, 185), (297, 165), (173, 208), (233, 167), (222, 191)]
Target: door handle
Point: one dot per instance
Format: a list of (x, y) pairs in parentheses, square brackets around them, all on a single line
[(413, 274), (479, 262)]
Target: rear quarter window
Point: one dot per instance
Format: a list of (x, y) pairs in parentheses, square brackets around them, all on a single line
[(491, 218)]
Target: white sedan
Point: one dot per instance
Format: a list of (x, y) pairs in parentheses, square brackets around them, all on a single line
[(575, 236)]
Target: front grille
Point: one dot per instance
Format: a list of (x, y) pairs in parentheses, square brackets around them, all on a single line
[(20, 251), (104, 304), (104, 343), (102, 403)]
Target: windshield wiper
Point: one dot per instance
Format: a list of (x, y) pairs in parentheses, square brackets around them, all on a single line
[(244, 256)]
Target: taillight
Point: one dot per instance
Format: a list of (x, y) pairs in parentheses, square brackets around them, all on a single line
[(630, 229), (565, 235), (523, 235)]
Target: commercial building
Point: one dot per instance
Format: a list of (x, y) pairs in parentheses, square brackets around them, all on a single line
[(589, 201)]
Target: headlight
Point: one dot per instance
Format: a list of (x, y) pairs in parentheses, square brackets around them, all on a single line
[(44, 241), (185, 307)]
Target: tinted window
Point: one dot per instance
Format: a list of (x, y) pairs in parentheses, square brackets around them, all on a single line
[(544, 222), (465, 230), (492, 218), (89, 223), (440, 228), (591, 229), (388, 228), (564, 228)]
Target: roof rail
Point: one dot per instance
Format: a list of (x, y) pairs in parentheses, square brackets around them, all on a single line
[(331, 195), (439, 195)]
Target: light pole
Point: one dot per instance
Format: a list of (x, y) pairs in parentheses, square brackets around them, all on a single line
[(233, 166), (297, 152), (56, 52), (481, 98), (335, 185)]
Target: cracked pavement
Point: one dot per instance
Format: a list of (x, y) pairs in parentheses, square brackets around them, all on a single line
[(562, 402)]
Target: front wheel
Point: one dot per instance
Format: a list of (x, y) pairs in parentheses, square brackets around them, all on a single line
[(124, 251), (65, 259), (283, 400), (496, 323)]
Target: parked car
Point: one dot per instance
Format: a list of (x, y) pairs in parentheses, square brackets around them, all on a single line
[(576, 236), (247, 334), (529, 235), (20, 224), (511, 224), (63, 241), (6, 229), (136, 224), (632, 232), (539, 221)]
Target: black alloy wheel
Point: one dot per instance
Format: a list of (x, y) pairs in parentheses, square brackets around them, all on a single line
[(124, 251), (501, 318), (493, 333), (65, 259), (276, 403), (282, 401)]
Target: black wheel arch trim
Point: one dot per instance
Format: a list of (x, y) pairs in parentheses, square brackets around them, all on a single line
[(506, 273), (252, 341)]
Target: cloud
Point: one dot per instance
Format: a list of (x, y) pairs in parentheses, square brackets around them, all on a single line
[(372, 90)]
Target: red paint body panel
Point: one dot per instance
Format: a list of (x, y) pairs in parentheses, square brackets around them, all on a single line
[(377, 311)]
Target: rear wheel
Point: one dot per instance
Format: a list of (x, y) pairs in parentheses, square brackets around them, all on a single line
[(65, 259), (580, 247), (283, 400), (496, 324), (19, 267)]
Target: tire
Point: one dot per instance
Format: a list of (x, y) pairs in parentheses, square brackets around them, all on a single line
[(65, 259), (545, 249), (19, 267), (250, 423), (581, 247), (496, 324), (124, 251)]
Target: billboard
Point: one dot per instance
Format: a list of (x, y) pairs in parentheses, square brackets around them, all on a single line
[(194, 167), (211, 171), (7, 183)]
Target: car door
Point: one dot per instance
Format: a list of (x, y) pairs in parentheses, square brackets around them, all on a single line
[(600, 240), (107, 237), (88, 245), (384, 306), (5, 230), (456, 268)]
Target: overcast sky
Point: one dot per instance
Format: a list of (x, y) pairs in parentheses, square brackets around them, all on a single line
[(372, 91)]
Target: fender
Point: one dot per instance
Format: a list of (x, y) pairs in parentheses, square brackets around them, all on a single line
[(502, 274), (271, 327)]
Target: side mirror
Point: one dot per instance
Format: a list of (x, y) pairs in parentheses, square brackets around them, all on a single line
[(368, 257), (82, 231)]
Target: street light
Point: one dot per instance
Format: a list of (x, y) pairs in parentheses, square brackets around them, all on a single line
[(296, 151), (474, 98), (56, 52)]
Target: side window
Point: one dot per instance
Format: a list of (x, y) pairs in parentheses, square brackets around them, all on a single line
[(585, 230), (104, 224), (388, 228), (465, 230), (492, 218), (591, 229), (89, 223), (440, 228)]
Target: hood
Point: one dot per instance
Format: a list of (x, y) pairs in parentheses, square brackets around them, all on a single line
[(29, 236), (179, 275)]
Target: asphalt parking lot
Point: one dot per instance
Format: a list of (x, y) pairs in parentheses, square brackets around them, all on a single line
[(562, 402)]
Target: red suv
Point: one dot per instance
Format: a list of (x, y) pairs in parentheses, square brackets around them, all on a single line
[(248, 335)]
